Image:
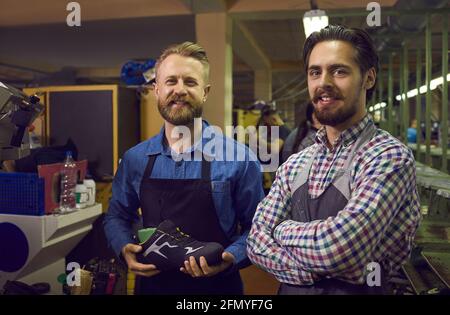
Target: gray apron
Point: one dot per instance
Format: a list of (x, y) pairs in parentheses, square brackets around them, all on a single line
[(328, 204)]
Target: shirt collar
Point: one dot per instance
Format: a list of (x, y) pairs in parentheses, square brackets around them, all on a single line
[(346, 137), (157, 145)]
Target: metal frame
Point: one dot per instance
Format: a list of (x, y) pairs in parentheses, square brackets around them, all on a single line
[(444, 123), (428, 65), (418, 104), (403, 117), (406, 112), (390, 105), (401, 108)]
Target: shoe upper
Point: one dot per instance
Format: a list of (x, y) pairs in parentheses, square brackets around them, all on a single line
[(168, 247)]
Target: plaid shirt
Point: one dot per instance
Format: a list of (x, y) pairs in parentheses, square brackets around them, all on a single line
[(378, 223)]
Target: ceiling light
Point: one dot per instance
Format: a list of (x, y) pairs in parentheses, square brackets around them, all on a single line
[(377, 106), (423, 89), (314, 21)]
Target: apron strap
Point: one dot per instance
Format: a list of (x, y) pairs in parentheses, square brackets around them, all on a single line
[(302, 177), (342, 179), (365, 137), (206, 168), (149, 167)]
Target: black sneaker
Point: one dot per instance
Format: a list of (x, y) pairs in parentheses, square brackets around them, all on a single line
[(168, 248)]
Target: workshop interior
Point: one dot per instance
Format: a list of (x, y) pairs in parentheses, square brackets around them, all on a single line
[(75, 92)]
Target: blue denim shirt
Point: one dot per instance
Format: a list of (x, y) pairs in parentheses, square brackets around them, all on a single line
[(236, 186)]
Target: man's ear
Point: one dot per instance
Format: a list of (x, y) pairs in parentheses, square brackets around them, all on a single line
[(155, 89), (371, 77), (206, 91)]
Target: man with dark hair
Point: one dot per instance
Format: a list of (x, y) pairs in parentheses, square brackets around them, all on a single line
[(172, 177), (342, 214)]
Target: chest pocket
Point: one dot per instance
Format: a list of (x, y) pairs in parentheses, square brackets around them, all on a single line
[(221, 193)]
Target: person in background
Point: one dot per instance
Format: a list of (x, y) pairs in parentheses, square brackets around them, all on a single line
[(272, 143), (303, 136), (270, 117), (412, 132)]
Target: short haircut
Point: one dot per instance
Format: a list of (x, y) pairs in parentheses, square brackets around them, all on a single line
[(366, 55), (186, 49)]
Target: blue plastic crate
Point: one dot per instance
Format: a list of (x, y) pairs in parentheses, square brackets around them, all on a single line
[(22, 193)]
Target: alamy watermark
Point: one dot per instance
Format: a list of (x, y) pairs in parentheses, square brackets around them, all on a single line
[(373, 278), (74, 17), (374, 17), (73, 278)]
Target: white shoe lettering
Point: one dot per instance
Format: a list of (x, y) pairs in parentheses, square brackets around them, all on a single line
[(156, 248), (190, 250)]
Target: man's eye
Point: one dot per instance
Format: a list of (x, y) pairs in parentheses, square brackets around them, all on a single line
[(314, 73), (340, 72), (191, 83)]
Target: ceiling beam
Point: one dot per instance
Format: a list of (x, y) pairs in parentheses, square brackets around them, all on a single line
[(243, 6), (202, 6), (332, 13), (27, 64), (8, 73), (113, 72), (54, 11), (286, 66)]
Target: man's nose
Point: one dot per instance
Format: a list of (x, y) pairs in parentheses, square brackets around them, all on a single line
[(180, 88), (326, 80)]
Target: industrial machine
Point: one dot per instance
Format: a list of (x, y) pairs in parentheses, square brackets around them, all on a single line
[(17, 112), (428, 270)]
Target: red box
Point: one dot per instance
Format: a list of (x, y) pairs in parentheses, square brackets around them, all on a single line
[(52, 178)]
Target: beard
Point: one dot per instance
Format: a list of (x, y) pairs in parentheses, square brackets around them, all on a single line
[(337, 116), (179, 116)]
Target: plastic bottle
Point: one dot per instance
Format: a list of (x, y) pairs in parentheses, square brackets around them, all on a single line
[(90, 185), (68, 182), (81, 195)]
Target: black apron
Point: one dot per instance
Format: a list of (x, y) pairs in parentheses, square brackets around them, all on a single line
[(328, 204), (189, 204)]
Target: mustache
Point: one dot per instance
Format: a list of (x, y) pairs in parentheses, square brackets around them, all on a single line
[(330, 91)]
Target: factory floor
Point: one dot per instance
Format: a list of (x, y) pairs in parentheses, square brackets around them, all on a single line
[(258, 282)]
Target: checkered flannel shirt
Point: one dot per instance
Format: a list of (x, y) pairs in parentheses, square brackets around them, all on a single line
[(378, 223)]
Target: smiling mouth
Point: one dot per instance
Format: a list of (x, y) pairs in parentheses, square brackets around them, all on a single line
[(326, 99), (179, 103)]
